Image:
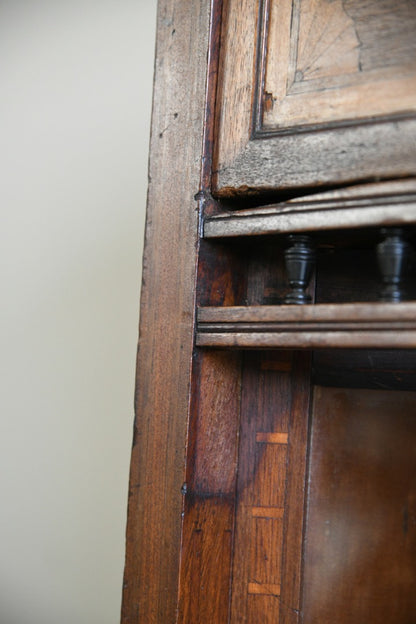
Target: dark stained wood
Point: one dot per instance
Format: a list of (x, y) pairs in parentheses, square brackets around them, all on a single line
[(271, 481), (362, 368), (295, 500), (266, 404), (167, 308), (361, 533), (359, 325), (352, 274), (222, 275), (267, 282), (209, 489)]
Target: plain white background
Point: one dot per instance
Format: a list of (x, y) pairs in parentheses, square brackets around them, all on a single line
[(75, 100)]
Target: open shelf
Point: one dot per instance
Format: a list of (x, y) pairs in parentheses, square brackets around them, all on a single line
[(350, 325)]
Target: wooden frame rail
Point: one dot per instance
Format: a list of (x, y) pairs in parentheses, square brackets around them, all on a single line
[(314, 215), (356, 325)]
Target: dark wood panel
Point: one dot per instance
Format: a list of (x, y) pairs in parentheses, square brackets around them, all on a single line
[(270, 486), (222, 274), (360, 547), (362, 368), (295, 500), (208, 521), (208, 514)]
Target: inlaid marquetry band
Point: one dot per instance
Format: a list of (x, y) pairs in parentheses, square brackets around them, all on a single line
[(271, 438), (264, 589)]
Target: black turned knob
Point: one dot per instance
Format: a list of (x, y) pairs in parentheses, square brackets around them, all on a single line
[(299, 260), (392, 256)]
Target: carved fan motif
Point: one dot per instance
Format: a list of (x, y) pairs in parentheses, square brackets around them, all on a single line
[(330, 61), (326, 42)]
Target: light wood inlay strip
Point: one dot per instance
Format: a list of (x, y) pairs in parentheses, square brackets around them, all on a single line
[(264, 589), (267, 512), (272, 438)]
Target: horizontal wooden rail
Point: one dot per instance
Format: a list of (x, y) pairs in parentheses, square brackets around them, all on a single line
[(314, 215), (355, 325)]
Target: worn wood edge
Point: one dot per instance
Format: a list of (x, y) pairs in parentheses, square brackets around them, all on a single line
[(153, 535), (234, 103), (322, 157), (296, 157), (383, 339), (274, 328), (350, 325), (277, 221), (406, 186), (355, 196), (331, 313)]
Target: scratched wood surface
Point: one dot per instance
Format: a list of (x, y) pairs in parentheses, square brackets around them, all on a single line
[(314, 92), (166, 322), (361, 533)]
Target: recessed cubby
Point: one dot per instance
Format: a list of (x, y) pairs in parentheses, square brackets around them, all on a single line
[(355, 288)]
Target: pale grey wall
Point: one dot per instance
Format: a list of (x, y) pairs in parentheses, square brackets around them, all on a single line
[(75, 92)]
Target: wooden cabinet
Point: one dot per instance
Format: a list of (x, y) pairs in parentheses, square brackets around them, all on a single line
[(272, 475)]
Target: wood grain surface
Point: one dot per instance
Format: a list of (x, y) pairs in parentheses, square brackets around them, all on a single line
[(209, 489), (333, 61), (361, 533), (357, 325), (166, 317), (219, 470), (370, 205), (333, 132), (266, 569)]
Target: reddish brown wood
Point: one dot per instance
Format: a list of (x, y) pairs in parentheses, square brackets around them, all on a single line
[(361, 533), (271, 481), (210, 490), (217, 485), (295, 499), (166, 322)]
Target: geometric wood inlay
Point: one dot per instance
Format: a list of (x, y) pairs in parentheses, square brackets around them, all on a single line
[(259, 528), (272, 438), (261, 535), (265, 589), (333, 60)]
